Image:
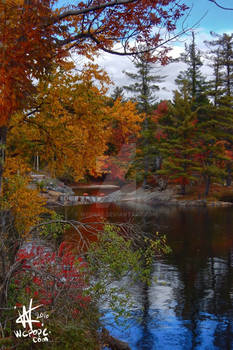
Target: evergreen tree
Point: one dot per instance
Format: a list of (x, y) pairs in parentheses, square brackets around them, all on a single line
[(225, 116), (193, 148), (118, 92), (210, 139), (143, 88), (178, 126), (221, 88), (215, 85), (221, 56), (192, 78)]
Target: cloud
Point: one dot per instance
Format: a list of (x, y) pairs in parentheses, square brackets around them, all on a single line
[(115, 65)]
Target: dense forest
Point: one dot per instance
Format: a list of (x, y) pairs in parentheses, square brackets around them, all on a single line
[(187, 140)]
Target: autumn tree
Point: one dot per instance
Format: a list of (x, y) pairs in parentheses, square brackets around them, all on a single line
[(71, 123), (34, 33), (35, 36)]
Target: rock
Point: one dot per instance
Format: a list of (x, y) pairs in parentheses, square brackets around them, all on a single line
[(112, 342)]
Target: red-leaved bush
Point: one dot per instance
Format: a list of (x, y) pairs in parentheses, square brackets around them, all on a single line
[(55, 279)]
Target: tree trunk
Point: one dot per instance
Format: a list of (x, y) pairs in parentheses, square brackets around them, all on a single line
[(229, 177), (207, 185), (183, 189), (146, 169), (146, 160), (37, 162), (3, 134)]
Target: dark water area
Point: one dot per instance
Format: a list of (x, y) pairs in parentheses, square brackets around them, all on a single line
[(190, 304)]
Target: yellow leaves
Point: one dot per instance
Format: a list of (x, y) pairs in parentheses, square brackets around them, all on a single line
[(129, 121), (74, 124), (15, 166), (93, 72), (24, 201)]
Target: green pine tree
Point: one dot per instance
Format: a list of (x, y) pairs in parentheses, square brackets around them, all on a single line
[(145, 84), (221, 89), (192, 78), (177, 145)]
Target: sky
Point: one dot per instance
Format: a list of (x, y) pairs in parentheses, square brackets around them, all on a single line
[(204, 16)]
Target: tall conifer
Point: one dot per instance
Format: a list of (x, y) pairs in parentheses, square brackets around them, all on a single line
[(192, 77), (145, 84), (177, 145)]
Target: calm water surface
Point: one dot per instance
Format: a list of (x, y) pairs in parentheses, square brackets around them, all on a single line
[(190, 305)]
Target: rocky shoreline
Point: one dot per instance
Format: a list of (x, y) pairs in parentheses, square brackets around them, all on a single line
[(166, 197), (57, 193)]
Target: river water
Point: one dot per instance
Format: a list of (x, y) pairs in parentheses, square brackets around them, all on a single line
[(190, 304)]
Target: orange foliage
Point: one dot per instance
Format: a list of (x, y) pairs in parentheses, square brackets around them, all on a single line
[(26, 48), (74, 123), (127, 123), (25, 203), (33, 33)]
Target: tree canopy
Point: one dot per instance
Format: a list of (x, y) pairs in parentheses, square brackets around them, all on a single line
[(33, 33)]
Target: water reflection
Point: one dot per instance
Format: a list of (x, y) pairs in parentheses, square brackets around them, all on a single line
[(190, 305)]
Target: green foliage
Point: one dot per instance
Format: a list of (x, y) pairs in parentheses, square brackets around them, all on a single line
[(192, 77), (178, 144), (221, 56), (145, 84), (41, 185), (56, 228), (114, 258)]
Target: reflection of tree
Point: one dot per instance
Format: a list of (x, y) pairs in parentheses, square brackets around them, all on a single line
[(224, 329), (146, 341), (200, 239), (206, 278)]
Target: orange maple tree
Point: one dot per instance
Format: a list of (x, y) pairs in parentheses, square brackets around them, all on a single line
[(33, 33), (71, 123)]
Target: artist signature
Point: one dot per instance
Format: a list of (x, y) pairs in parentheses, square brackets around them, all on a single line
[(25, 319)]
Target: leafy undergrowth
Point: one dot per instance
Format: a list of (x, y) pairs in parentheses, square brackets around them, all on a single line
[(70, 287)]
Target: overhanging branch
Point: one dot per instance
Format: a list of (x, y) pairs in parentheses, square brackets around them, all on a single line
[(220, 6), (90, 9), (127, 53)]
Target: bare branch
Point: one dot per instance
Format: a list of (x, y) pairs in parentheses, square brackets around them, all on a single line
[(220, 6), (127, 53)]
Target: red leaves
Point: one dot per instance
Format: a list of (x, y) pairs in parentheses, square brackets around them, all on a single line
[(161, 110), (53, 274)]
